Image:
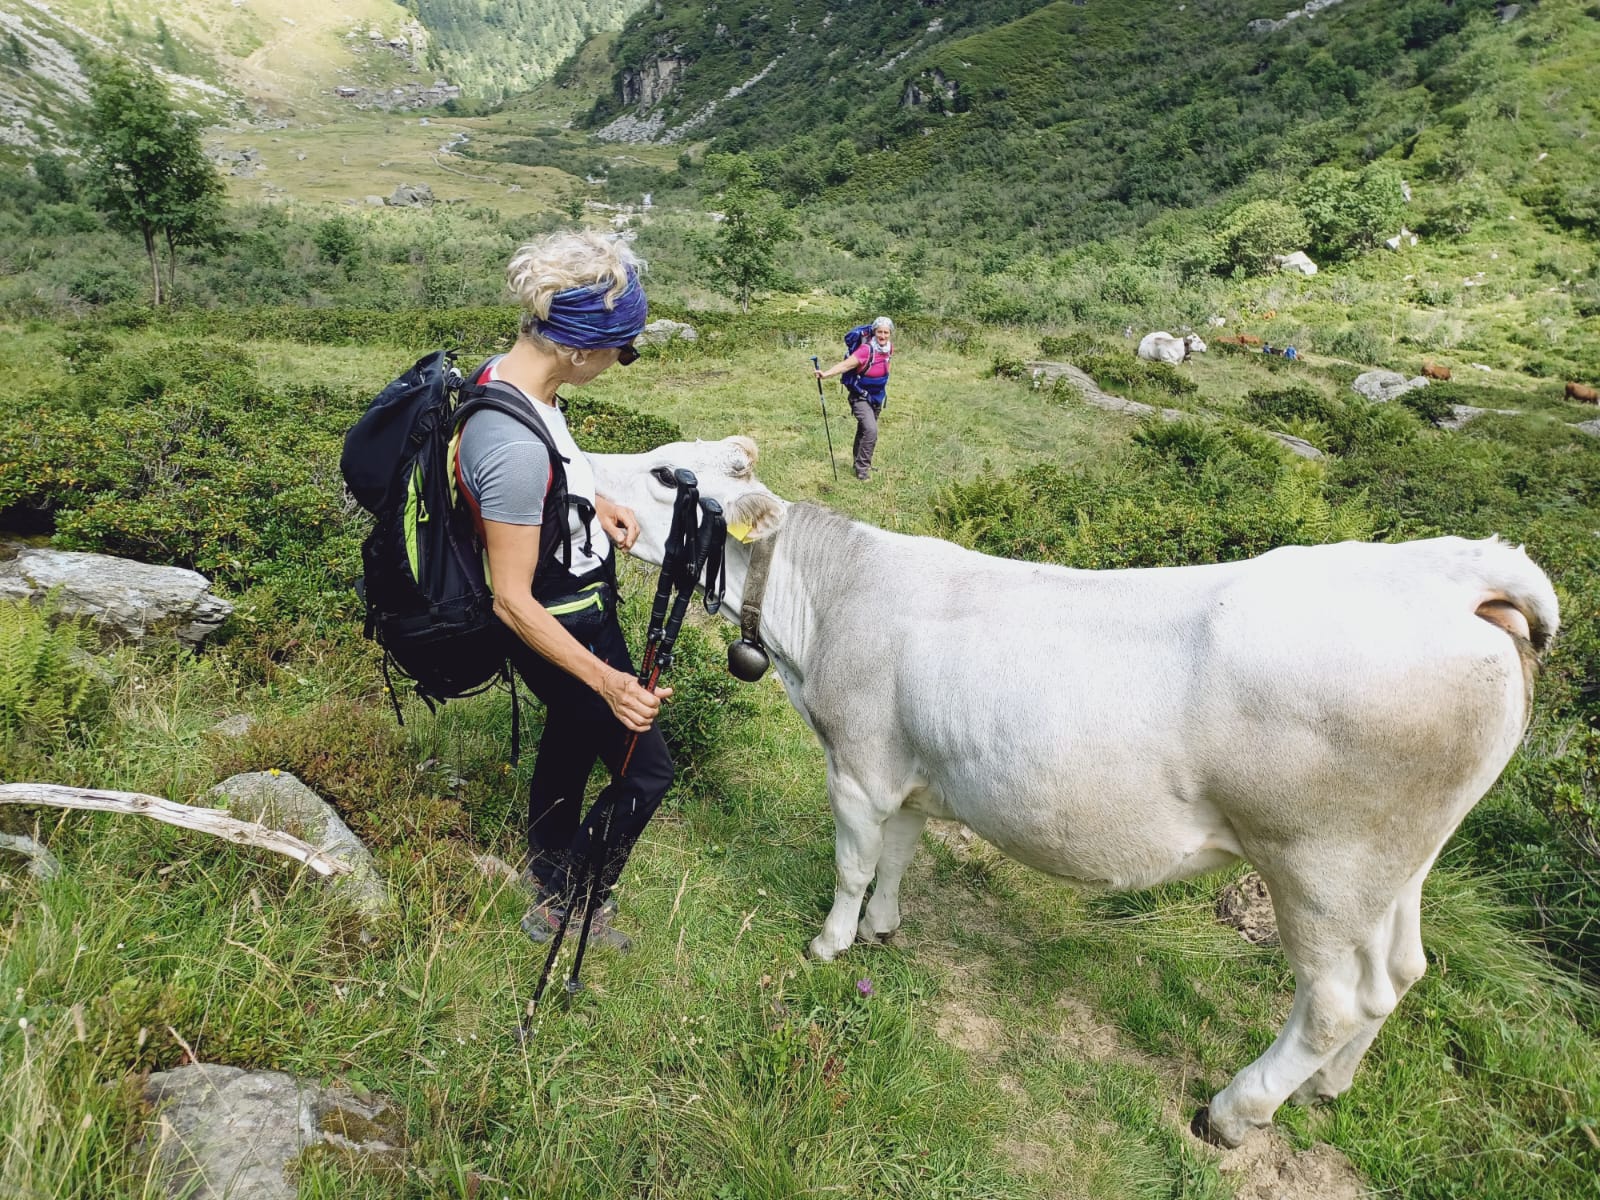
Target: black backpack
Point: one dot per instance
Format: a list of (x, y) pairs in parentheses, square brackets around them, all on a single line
[(428, 603)]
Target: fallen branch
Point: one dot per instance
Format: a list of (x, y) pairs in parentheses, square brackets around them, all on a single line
[(203, 820)]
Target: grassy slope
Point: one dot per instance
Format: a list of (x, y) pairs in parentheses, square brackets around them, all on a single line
[(1021, 1041)]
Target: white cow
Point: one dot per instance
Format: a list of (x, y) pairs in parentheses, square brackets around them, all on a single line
[(1164, 347), (1328, 713)]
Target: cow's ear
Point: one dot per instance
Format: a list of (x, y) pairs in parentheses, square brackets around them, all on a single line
[(755, 515), (742, 464)]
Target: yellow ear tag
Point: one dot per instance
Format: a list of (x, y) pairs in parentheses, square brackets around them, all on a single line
[(740, 533)]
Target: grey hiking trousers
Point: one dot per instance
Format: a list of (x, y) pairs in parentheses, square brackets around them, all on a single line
[(866, 434)]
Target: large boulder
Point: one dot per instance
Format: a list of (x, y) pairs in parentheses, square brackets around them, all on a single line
[(1383, 386), (1298, 261), (659, 333), (224, 1133), (126, 599), (409, 195), (280, 801)]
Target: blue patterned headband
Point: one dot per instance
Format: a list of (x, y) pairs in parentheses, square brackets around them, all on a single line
[(579, 317)]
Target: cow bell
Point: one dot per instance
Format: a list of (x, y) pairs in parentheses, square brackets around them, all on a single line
[(747, 661)]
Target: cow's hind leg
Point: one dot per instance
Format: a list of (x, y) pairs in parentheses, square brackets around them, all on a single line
[(1405, 961), (858, 844), (901, 833), (1343, 992)]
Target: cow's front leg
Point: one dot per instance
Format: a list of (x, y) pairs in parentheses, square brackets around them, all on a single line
[(901, 833), (857, 844)]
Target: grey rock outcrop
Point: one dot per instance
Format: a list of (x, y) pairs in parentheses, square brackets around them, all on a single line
[(411, 195), (658, 333), (281, 801), (1383, 386), (126, 599), (1052, 373), (223, 1133)]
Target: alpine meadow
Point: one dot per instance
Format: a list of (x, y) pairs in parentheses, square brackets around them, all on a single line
[(227, 225)]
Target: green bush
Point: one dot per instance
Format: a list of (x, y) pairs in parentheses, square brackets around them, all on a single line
[(1078, 344), (1127, 371)]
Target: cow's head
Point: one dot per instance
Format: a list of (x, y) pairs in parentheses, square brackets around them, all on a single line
[(1193, 345), (725, 469)]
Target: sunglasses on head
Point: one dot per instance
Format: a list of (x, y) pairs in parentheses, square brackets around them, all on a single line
[(627, 354)]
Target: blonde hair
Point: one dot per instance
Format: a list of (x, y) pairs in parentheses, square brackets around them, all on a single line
[(559, 261)]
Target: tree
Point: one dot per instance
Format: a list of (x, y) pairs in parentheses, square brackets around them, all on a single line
[(146, 170), (741, 258), (1254, 232), (1349, 212)]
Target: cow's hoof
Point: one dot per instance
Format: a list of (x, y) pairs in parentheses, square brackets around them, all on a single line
[(1312, 1093), (820, 950), (1209, 1130)]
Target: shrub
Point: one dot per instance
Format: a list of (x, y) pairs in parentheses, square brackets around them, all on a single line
[(1347, 212), (1124, 370), (1254, 232), (1431, 404), (1075, 345)]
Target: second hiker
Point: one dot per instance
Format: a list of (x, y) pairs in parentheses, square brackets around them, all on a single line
[(865, 375)]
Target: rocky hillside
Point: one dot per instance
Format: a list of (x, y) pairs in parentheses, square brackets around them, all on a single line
[(283, 59)]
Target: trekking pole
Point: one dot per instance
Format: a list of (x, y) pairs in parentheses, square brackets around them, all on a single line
[(708, 541), (677, 551), (829, 431)]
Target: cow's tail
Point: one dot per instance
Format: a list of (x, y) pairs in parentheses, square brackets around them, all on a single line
[(1516, 595)]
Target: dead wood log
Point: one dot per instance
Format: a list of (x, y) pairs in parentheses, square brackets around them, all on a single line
[(202, 820)]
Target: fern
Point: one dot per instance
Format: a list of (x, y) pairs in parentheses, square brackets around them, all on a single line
[(48, 684)]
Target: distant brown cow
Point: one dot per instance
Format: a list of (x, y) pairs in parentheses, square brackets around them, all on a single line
[(1435, 371), (1582, 392), (1249, 339)]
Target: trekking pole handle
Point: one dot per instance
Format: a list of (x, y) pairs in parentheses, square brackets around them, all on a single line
[(711, 528)]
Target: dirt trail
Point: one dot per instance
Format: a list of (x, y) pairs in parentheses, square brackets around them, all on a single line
[(1057, 1145)]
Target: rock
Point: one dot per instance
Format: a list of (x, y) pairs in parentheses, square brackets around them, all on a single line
[(1244, 905), (1592, 428), (235, 726), (1383, 386), (1462, 413), (659, 333), (375, 201), (281, 801), (1298, 261), (411, 196), (224, 1133), (1508, 13), (126, 599), (1404, 238)]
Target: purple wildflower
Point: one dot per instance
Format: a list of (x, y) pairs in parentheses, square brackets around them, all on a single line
[(864, 986)]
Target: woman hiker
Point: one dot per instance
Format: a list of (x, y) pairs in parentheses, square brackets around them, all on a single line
[(582, 308), (869, 389)]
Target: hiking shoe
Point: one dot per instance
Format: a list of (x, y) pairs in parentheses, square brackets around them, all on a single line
[(542, 920)]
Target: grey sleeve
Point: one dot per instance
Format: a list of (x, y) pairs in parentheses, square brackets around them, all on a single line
[(508, 476)]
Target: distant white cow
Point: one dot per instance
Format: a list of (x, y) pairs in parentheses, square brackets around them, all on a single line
[(1164, 347), (1329, 713)]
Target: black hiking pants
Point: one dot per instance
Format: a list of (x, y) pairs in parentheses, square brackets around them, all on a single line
[(578, 730)]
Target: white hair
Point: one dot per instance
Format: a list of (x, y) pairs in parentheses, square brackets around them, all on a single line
[(883, 323), (559, 261)]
